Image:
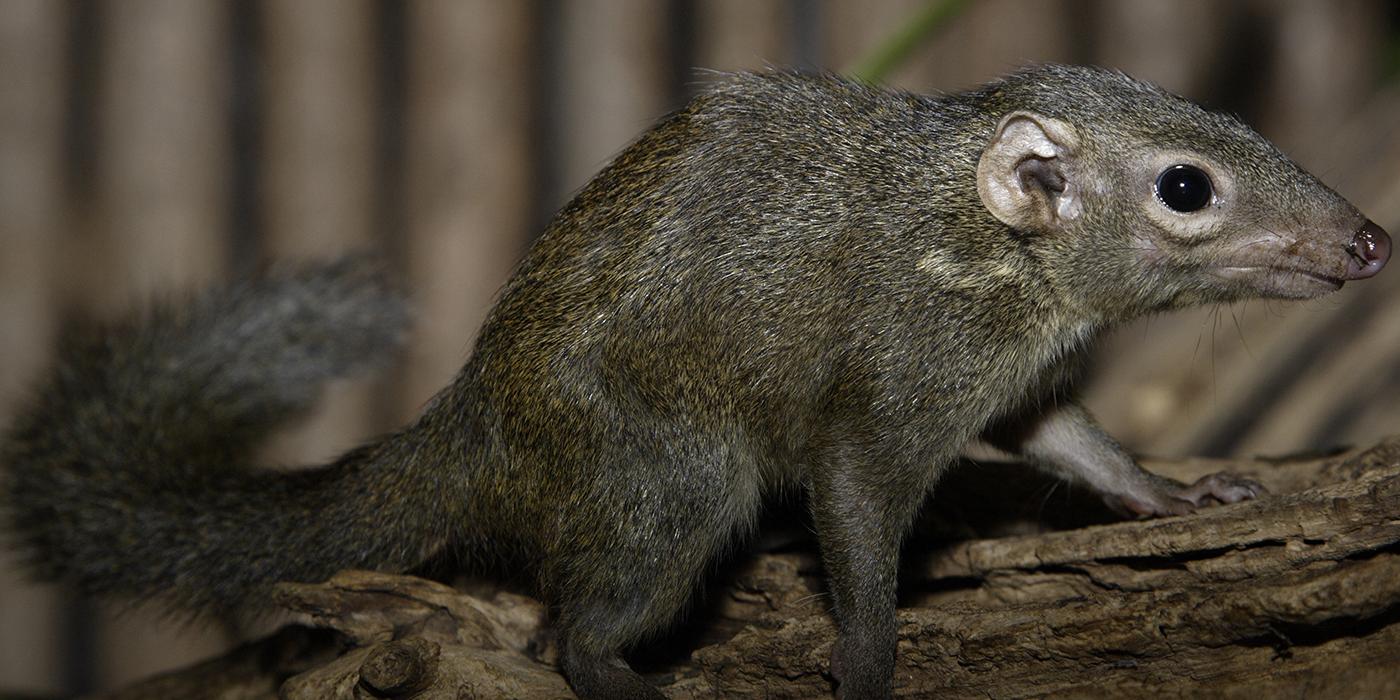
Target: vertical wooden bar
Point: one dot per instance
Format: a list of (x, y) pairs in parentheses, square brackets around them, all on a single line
[(1327, 60), (162, 161), (33, 70), (1171, 44), (159, 224), (316, 184), (987, 39), (318, 106), (467, 175), (613, 81), (852, 29), (734, 35)]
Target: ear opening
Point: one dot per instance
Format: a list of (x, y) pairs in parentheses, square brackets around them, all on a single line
[(1025, 175), (1041, 174)]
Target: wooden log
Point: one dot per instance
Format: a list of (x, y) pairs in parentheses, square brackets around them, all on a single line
[(1292, 593)]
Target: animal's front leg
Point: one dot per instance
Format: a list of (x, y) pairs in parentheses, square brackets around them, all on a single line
[(861, 508), (1066, 441)]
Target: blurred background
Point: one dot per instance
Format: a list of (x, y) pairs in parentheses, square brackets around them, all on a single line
[(151, 147)]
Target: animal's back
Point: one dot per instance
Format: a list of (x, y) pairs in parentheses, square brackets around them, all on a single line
[(727, 270)]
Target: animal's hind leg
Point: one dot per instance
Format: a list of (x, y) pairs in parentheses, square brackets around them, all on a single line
[(625, 597), (622, 601), (620, 589), (598, 676)]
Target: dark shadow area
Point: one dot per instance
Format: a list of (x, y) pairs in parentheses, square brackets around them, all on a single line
[(974, 500)]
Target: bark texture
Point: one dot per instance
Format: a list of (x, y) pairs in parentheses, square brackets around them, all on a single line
[(1013, 587)]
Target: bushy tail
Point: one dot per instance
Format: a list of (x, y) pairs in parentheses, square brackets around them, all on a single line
[(127, 474)]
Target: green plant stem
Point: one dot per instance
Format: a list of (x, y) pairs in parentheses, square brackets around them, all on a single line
[(877, 65)]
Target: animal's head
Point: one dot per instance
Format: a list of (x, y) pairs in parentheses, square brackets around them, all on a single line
[(1144, 194)]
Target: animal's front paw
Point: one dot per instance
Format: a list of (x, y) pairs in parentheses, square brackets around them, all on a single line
[(856, 677), (1222, 487), (1164, 496)]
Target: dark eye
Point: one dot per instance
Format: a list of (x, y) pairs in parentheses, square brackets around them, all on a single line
[(1184, 188)]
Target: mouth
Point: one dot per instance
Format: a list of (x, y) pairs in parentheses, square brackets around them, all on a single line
[(1306, 267), (1281, 282)]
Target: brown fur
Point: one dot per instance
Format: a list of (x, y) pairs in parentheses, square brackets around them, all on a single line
[(791, 283)]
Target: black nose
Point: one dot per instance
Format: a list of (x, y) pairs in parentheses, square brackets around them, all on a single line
[(1369, 250)]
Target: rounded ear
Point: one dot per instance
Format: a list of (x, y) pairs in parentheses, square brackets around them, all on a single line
[(1025, 176)]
